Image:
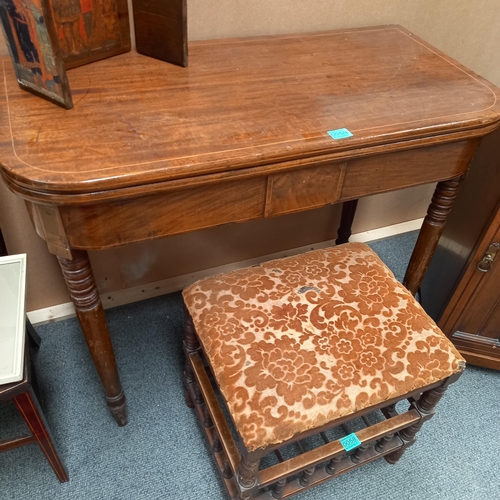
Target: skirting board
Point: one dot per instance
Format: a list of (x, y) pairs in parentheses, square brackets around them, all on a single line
[(149, 290)]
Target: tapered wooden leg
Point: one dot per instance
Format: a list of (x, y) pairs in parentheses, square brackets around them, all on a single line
[(431, 231), (29, 408), (346, 220), (81, 285)]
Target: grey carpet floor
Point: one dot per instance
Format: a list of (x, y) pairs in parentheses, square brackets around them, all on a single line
[(161, 452)]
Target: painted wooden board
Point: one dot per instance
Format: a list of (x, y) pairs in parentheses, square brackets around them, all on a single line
[(89, 30), (161, 30), (29, 33)]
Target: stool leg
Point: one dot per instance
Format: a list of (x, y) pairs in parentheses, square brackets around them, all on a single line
[(191, 344), (247, 474), (29, 408), (425, 406)]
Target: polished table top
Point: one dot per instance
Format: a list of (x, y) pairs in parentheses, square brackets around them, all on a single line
[(240, 103)]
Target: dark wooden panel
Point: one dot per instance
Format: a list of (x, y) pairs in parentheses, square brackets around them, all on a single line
[(161, 29)]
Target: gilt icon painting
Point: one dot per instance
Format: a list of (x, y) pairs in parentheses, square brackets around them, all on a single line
[(46, 38), (38, 66), (88, 30)]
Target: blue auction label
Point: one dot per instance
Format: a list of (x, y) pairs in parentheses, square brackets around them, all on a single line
[(350, 442), (340, 133)]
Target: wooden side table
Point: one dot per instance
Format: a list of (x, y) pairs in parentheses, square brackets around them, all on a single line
[(252, 128), (16, 376)]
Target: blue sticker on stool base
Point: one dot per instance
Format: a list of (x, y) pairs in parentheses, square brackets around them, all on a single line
[(350, 442), (340, 133)]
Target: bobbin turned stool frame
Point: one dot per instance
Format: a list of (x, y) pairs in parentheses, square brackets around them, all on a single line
[(301, 349), (239, 469)]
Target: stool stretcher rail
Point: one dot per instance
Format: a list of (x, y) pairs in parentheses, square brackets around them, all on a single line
[(316, 465)]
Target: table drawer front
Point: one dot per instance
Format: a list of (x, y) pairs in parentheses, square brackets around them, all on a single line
[(377, 174), (304, 189), (154, 216)]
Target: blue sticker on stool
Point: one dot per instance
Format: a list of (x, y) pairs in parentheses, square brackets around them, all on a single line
[(340, 133), (350, 442)]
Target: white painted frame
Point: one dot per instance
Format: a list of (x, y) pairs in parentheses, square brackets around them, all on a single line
[(12, 348)]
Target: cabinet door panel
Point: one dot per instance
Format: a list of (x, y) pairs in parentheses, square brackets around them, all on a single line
[(491, 327), (475, 331), (482, 313)]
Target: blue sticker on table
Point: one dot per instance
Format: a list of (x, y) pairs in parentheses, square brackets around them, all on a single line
[(340, 133), (350, 442)]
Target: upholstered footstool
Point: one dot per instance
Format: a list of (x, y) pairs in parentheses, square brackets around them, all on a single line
[(295, 368)]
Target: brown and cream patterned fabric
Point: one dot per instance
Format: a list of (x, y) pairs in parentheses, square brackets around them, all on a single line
[(298, 342)]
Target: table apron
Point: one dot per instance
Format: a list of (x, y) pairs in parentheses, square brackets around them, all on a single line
[(151, 216)]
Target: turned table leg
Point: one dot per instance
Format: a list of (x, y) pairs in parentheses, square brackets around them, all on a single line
[(346, 220), (431, 231), (81, 285)]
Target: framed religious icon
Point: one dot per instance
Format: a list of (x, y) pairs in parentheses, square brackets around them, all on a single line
[(34, 51), (89, 30), (47, 37)]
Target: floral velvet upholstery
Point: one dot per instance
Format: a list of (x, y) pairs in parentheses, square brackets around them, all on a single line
[(298, 342)]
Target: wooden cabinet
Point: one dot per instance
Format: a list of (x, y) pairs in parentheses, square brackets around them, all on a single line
[(462, 287)]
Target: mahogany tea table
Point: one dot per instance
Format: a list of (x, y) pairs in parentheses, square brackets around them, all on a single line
[(253, 128)]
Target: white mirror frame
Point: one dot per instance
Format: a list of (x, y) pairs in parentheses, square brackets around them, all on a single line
[(12, 358)]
